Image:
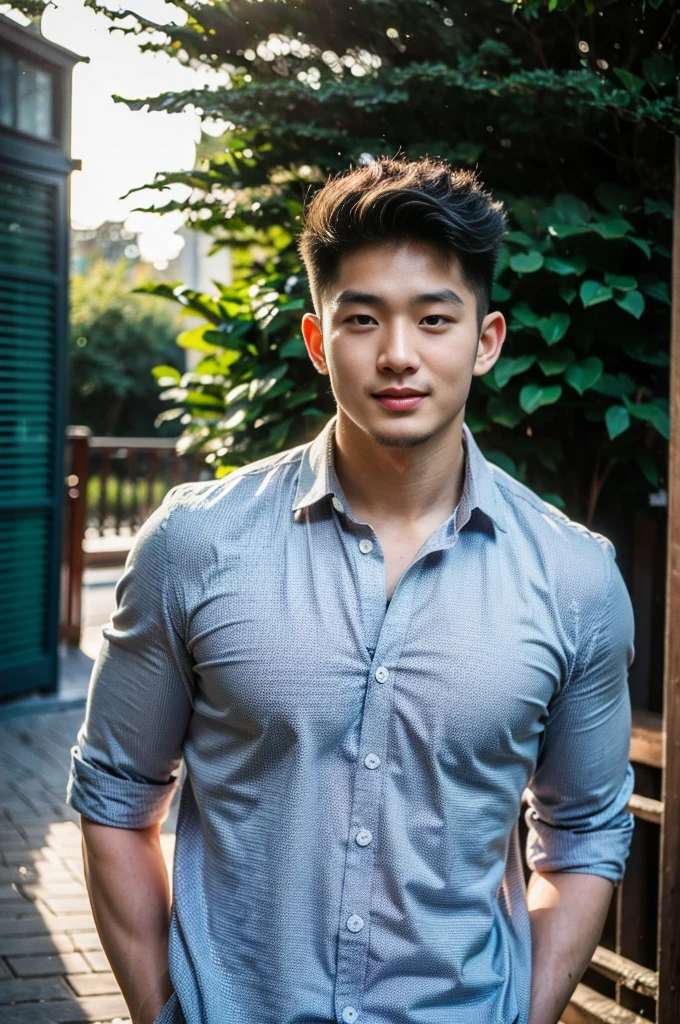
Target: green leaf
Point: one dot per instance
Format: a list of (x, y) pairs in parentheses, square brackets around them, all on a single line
[(658, 290), (533, 396), (526, 262), (507, 367), (567, 294), (558, 363), (300, 397), (570, 209), (632, 82), (617, 420), (166, 375), (614, 386), (202, 400), (568, 230), (651, 413), (658, 70), (651, 206), (504, 411), (615, 198), (499, 293), (520, 238), (196, 339), (622, 284), (636, 350), (632, 302), (294, 348), (648, 467), (554, 499), (592, 292), (503, 461), (278, 433), (526, 214), (525, 315), (611, 227), (641, 244), (553, 328), (583, 375), (564, 265)]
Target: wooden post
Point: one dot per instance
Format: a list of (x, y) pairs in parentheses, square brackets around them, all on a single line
[(76, 509), (669, 896)]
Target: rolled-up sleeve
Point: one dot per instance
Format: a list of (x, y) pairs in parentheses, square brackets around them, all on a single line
[(577, 815), (124, 768)]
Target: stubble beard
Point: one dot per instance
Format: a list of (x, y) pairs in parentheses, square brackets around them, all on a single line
[(400, 442)]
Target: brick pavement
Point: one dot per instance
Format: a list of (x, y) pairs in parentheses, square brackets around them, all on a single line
[(52, 967)]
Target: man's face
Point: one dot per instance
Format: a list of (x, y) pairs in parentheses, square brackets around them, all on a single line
[(399, 340)]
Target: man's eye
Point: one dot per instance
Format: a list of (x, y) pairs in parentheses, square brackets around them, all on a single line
[(361, 320), (436, 320)]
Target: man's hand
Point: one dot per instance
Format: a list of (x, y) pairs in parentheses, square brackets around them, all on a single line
[(567, 914), (128, 885)]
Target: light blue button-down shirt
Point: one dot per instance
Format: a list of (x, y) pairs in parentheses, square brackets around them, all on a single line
[(347, 845)]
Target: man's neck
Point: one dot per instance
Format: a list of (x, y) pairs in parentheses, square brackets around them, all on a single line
[(400, 485)]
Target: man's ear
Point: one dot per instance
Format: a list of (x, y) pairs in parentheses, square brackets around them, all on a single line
[(491, 338), (311, 332)]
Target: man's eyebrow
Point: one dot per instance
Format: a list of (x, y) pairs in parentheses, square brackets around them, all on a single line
[(444, 295), (364, 298), (369, 299)]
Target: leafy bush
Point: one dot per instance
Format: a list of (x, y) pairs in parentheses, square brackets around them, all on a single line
[(567, 106), (115, 340)]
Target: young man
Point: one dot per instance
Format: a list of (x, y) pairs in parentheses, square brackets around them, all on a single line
[(365, 649)]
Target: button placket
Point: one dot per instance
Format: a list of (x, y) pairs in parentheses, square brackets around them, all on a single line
[(386, 635)]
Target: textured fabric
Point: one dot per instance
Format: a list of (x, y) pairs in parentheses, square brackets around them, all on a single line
[(347, 847)]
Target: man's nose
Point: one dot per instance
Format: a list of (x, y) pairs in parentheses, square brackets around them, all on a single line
[(398, 351)]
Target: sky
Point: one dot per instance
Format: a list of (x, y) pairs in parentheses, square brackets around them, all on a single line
[(121, 149)]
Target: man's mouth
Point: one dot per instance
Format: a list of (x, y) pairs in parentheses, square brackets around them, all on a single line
[(399, 399)]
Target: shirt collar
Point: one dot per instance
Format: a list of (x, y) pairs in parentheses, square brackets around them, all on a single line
[(317, 479)]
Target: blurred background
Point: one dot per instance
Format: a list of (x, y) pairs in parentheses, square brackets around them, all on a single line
[(154, 166)]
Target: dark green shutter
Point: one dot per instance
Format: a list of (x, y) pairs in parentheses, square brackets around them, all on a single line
[(29, 378)]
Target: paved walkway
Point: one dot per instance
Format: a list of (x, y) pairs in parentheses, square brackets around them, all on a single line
[(52, 968)]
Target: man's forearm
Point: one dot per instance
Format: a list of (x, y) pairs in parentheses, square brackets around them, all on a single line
[(128, 885), (567, 914)]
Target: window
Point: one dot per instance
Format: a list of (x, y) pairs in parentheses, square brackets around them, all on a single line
[(26, 96)]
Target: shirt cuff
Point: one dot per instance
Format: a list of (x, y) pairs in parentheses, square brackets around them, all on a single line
[(602, 852), (109, 799)]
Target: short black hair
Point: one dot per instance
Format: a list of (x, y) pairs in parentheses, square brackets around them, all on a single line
[(395, 200)]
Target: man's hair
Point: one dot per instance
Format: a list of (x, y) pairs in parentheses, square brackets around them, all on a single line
[(394, 200)]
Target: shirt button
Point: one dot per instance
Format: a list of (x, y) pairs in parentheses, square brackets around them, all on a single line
[(337, 504), (372, 761), (365, 546), (364, 837), (381, 674), (355, 923), (349, 1014)]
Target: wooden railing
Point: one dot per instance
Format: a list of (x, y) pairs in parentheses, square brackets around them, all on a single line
[(128, 478), (112, 484), (588, 1006)]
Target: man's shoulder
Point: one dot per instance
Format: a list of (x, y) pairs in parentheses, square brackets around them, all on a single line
[(194, 514), (561, 543), (237, 486)]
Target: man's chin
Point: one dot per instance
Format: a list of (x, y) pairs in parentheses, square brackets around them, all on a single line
[(400, 439)]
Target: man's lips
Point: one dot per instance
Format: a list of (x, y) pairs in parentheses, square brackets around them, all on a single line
[(398, 399)]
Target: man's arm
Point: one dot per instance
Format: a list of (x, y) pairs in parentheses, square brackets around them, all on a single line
[(125, 766), (567, 914), (579, 827), (128, 885)]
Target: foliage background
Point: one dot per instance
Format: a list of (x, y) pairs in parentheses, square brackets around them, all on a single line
[(115, 339), (567, 107)]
